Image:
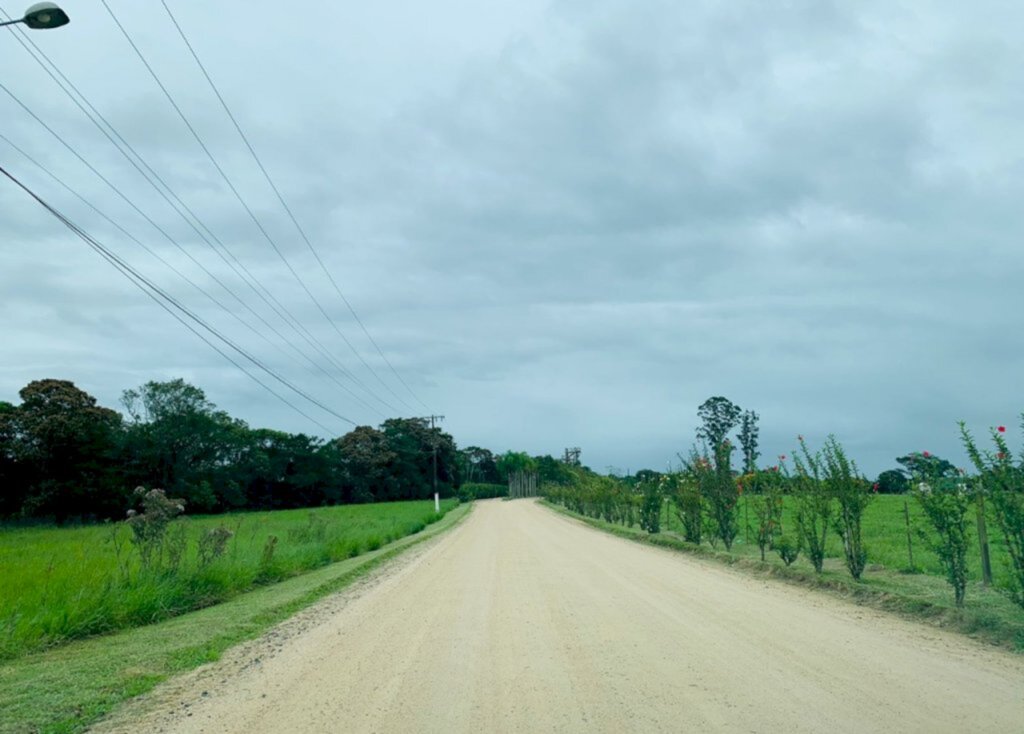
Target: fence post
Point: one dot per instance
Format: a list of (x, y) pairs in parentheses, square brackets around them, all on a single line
[(910, 547), (986, 563)]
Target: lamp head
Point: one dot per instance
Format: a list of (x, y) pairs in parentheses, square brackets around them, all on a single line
[(45, 15)]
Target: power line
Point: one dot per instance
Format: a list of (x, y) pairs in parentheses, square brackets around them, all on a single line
[(237, 266), (169, 265), (259, 225), (125, 232), (261, 291), (291, 215), (174, 242), (167, 302)]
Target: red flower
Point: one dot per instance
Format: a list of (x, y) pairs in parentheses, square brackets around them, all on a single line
[(926, 455), (1001, 429), (1000, 456), (874, 487), (782, 457)]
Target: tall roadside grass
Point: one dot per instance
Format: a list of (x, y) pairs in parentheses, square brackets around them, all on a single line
[(60, 584)]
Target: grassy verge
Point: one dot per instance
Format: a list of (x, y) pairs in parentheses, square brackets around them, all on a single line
[(67, 688), (987, 615), (885, 535), (62, 584)]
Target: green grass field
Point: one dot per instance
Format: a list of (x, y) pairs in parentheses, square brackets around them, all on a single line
[(63, 689), (60, 584), (885, 536)]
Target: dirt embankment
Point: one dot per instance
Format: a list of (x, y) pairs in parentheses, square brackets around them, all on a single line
[(521, 620)]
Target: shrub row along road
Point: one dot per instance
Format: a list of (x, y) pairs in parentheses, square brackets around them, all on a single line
[(521, 620)]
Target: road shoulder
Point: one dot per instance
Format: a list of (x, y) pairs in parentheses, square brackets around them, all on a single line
[(68, 688)]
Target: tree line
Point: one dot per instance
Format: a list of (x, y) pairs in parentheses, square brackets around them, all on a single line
[(63, 456)]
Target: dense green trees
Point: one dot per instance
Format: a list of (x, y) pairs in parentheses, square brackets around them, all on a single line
[(413, 444), (63, 456), (479, 466), (60, 449), (177, 440), (12, 488), (892, 481), (513, 461)]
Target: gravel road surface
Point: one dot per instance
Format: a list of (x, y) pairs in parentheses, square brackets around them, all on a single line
[(522, 620)]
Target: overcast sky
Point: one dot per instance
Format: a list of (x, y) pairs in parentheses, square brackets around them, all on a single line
[(566, 223)]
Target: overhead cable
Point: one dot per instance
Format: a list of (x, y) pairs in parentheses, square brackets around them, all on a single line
[(167, 236), (231, 186), (291, 215), (173, 268), (169, 303), (261, 291)]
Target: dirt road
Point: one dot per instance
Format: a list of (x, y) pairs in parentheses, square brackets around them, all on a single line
[(521, 620)]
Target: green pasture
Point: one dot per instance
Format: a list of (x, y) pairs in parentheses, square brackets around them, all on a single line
[(60, 584), (63, 689), (885, 536)]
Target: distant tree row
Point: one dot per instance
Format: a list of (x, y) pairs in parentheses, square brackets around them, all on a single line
[(485, 467), (64, 456)]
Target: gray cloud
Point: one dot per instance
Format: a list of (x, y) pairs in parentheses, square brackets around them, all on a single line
[(567, 223)]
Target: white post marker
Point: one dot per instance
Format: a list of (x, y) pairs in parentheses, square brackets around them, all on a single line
[(437, 502)]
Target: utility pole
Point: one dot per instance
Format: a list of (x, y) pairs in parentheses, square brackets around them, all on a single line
[(433, 441)]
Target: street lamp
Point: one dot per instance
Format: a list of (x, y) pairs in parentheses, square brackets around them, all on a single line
[(42, 16)]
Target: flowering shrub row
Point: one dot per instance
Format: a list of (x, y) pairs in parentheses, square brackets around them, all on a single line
[(829, 497)]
